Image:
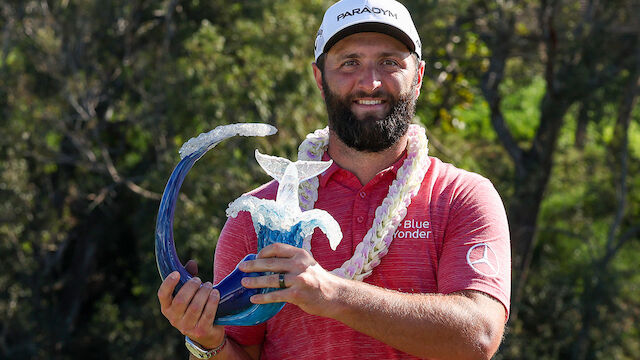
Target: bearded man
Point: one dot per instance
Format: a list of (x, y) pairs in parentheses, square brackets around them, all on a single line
[(423, 270)]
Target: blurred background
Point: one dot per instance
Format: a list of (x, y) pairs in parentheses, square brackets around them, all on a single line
[(96, 97)]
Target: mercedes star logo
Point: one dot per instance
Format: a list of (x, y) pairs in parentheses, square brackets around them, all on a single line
[(483, 260)]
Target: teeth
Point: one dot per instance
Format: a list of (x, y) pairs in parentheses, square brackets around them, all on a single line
[(369, 102)]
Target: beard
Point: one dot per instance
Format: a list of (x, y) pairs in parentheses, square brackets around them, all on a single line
[(371, 133)]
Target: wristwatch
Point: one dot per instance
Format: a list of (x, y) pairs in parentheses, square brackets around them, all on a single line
[(196, 349)]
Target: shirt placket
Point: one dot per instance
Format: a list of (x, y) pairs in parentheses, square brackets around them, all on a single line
[(360, 220), (366, 201)]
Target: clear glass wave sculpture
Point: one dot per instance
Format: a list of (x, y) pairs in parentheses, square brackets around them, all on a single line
[(279, 220)]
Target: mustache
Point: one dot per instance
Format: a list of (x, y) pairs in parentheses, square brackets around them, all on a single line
[(381, 94)]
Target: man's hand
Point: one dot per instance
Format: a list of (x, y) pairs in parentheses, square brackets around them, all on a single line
[(309, 286), (193, 309)]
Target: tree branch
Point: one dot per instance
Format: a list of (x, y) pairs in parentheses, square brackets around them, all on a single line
[(440, 147), (500, 45), (130, 184), (6, 35), (169, 25), (627, 104)]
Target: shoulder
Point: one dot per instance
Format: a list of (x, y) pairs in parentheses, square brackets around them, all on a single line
[(445, 176), (454, 193)]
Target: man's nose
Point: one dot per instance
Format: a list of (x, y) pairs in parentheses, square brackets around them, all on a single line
[(369, 79)]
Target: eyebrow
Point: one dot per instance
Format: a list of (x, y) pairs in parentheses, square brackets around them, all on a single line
[(350, 56)]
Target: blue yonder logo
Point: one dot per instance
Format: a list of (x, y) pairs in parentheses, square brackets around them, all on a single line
[(414, 229)]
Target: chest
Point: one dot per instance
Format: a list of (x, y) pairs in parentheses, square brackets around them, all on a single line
[(411, 263)]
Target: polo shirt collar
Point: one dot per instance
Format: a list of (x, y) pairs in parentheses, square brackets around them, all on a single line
[(334, 168)]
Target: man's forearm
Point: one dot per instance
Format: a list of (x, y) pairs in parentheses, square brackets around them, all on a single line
[(467, 325), (425, 325)]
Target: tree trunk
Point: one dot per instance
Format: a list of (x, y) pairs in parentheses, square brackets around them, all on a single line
[(530, 184), (581, 127)]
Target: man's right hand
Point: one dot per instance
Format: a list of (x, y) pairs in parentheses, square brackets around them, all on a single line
[(193, 309)]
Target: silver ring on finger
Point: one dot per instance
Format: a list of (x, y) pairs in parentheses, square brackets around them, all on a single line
[(281, 281)]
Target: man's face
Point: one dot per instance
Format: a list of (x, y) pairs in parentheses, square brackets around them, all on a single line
[(370, 85)]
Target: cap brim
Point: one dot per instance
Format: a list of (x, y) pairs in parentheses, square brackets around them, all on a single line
[(371, 27)]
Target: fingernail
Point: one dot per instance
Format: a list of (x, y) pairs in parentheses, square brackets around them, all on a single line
[(174, 275), (208, 284), (215, 295)]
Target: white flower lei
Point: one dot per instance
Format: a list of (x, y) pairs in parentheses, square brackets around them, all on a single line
[(389, 214)]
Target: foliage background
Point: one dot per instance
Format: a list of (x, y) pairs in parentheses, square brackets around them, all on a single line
[(96, 97)]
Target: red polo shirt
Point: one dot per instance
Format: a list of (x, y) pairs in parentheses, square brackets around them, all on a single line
[(454, 237)]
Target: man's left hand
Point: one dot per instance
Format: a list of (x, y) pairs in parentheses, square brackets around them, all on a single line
[(308, 285)]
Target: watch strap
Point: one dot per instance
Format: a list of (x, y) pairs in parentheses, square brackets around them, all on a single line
[(196, 349)]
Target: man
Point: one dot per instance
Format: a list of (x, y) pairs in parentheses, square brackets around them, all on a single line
[(423, 270)]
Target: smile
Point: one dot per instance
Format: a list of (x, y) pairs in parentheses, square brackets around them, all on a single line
[(369, 102)]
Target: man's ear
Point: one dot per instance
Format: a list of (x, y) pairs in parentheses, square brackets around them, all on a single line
[(420, 75), (317, 74)]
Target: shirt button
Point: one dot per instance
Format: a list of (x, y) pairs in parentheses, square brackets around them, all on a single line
[(360, 219), (363, 194)]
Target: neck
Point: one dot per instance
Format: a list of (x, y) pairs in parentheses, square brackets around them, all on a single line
[(364, 165)]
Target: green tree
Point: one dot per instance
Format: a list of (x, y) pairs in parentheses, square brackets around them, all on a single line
[(97, 96), (551, 74)]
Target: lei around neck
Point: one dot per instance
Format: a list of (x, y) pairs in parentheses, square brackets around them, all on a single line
[(388, 215)]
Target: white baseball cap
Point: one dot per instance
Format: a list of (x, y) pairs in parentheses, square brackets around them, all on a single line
[(348, 17)]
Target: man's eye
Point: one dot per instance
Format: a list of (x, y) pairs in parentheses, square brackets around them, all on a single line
[(389, 62), (350, 63)]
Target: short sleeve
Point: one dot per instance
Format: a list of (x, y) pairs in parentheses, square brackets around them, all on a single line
[(237, 239), (476, 251)]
